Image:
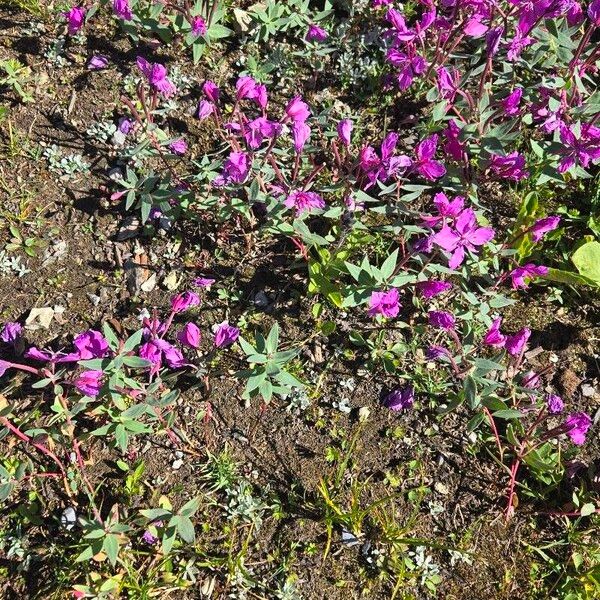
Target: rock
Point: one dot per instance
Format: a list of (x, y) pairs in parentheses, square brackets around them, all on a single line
[(39, 318), (68, 518)]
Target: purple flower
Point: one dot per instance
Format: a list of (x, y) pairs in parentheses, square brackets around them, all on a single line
[(384, 303), (225, 334), (125, 125), (183, 301), (578, 149), (554, 404), (122, 9), (578, 425), (205, 109), (97, 62), (493, 337), (190, 336), (178, 147), (381, 169), (300, 133), (543, 226), (3, 367), (446, 209), (453, 146), (447, 83), (11, 332), (510, 104), (530, 380), (304, 201), (593, 12), (435, 352), (492, 39), (199, 26), (42, 355), (261, 128), (316, 34), (515, 344), (425, 165), (297, 110), (150, 352), (173, 355), (465, 235), (246, 87), (400, 399), (76, 18), (157, 77), (235, 169), (429, 289), (522, 275), (441, 319), (204, 282), (510, 166), (211, 90), (91, 344), (89, 383), (149, 538), (344, 131)]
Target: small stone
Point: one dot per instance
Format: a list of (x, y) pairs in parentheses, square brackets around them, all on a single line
[(68, 518), (177, 464), (364, 412)]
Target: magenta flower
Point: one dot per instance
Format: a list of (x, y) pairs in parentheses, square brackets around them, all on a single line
[(447, 210), (409, 66), (530, 380), (515, 344), (300, 133), (89, 383), (91, 344), (386, 304), (493, 337), (454, 147), (441, 319), (225, 334), (578, 149), (246, 88), (447, 83), (425, 165), (199, 26), (510, 166), (521, 276), (465, 235), (75, 19), (260, 129), (510, 104), (211, 90), (149, 538), (178, 147), (297, 110), (97, 62), (381, 169), (474, 27), (554, 404), (235, 169), (183, 301), (122, 9), (150, 352), (344, 130), (435, 352), (173, 356), (400, 399), (593, 12), (543, 226), (204, 282), (578, 424), (190, 335), (517, 45), (492, 40), (304, 201), (205, 109), (125, 125), (11, 332), (429, 289), (157, 77), (316, 34)]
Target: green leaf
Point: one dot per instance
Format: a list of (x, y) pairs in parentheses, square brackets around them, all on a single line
[(508, 414), (111, 547), (185, 529), (588, 509), (190, 507), (111, 336), (587, 261)]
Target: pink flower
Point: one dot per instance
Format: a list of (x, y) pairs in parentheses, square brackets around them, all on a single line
[(173, 356), (150, 352), (259, 129), (316, 34), (429, 289), (578, 425), (593, 12), (543, 226), (447, 210), (381, 169), (190, 335), (122, 9), (75, 18), (297, 110), (205, 109), (204, 282), (425, 165), (554, 404), (300, 133), (11, 332), (510, 166), (157, 77), (97, 62), (521, 276), (178, 147), (235, 169), (211, 90), (384, 303), (225, 334), (246, 88), (493, 337), (89, 383), (465, 235), (515, 344), (304, 201), (344, 130), (198, 26), (441, 319), (510, 104), (91, 344), (453, 146), (183, 301)]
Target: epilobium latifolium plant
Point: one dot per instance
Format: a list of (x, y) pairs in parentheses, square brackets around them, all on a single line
[(379, 191)]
